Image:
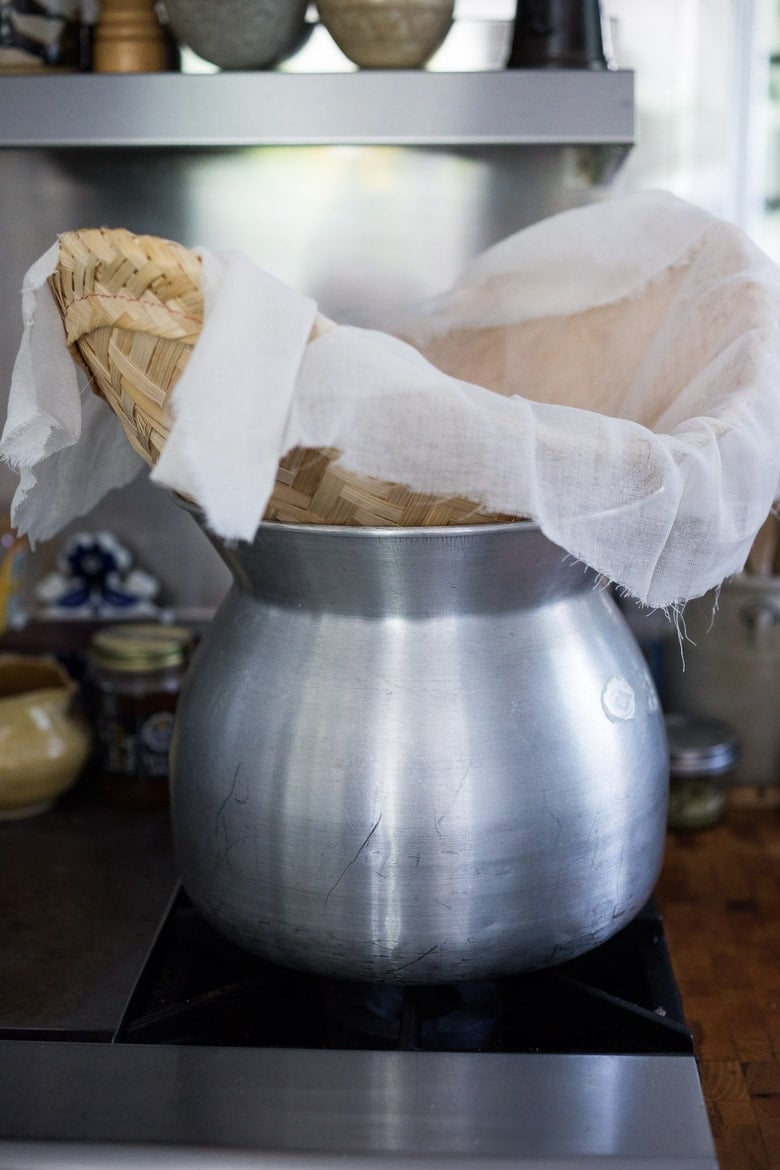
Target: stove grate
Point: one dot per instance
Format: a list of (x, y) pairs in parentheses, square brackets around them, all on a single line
[(199, 989)]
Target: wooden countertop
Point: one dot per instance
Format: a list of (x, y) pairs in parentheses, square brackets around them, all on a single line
[(719, 893)]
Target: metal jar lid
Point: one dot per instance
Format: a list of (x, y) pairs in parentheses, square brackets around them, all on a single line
[(700, 746), (139, 646)]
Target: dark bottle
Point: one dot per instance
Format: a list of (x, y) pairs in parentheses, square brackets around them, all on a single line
[(558, 34)]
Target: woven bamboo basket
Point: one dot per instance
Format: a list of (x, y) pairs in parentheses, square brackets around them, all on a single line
[(132, 308)]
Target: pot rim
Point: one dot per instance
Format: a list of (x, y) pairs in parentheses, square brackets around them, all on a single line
[(406, 532), (369, 531)]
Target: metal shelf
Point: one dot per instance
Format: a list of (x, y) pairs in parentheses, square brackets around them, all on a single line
[(506, 107)]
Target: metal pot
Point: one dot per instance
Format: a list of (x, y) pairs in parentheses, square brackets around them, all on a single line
[(417, 755)]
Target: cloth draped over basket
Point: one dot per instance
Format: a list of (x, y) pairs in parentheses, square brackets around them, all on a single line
[(612, 373)]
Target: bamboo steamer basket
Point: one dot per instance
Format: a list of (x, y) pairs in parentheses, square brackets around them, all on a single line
[(132, 307)]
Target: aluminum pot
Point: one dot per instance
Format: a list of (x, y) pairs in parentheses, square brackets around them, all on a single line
[(417, 755)]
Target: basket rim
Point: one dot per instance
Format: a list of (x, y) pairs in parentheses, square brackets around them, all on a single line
[(368, 531)]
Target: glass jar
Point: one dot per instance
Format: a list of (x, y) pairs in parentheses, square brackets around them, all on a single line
[(136, 672), (701, 753)]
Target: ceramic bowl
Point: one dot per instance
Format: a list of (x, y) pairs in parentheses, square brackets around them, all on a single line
[(44, 742), (387, 34), (239, 34)]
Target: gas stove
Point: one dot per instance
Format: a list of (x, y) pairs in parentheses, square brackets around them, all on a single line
[(222, 1059)]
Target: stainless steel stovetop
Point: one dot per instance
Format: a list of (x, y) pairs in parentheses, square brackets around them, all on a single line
[(223, 1060)]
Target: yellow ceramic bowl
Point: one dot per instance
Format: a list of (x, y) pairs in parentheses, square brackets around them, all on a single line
[(44, 742), (387, 34)]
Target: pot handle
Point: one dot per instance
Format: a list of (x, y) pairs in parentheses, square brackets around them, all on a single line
[(759, 617)]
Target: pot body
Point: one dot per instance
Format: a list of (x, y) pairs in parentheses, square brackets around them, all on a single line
[(417, 755)]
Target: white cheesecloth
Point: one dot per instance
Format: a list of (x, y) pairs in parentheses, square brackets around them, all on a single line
[(612, 372)]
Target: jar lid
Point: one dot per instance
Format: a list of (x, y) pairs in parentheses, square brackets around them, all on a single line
[(139, 646), (700, 746)]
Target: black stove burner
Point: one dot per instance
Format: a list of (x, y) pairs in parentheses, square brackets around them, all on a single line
[(197, 988), (458, 1017)]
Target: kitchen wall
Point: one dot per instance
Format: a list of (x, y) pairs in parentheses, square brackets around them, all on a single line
[(364, 228), (703, 96)]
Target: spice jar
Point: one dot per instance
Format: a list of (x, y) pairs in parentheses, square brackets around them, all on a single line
[(136, 675), (701, 753)]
